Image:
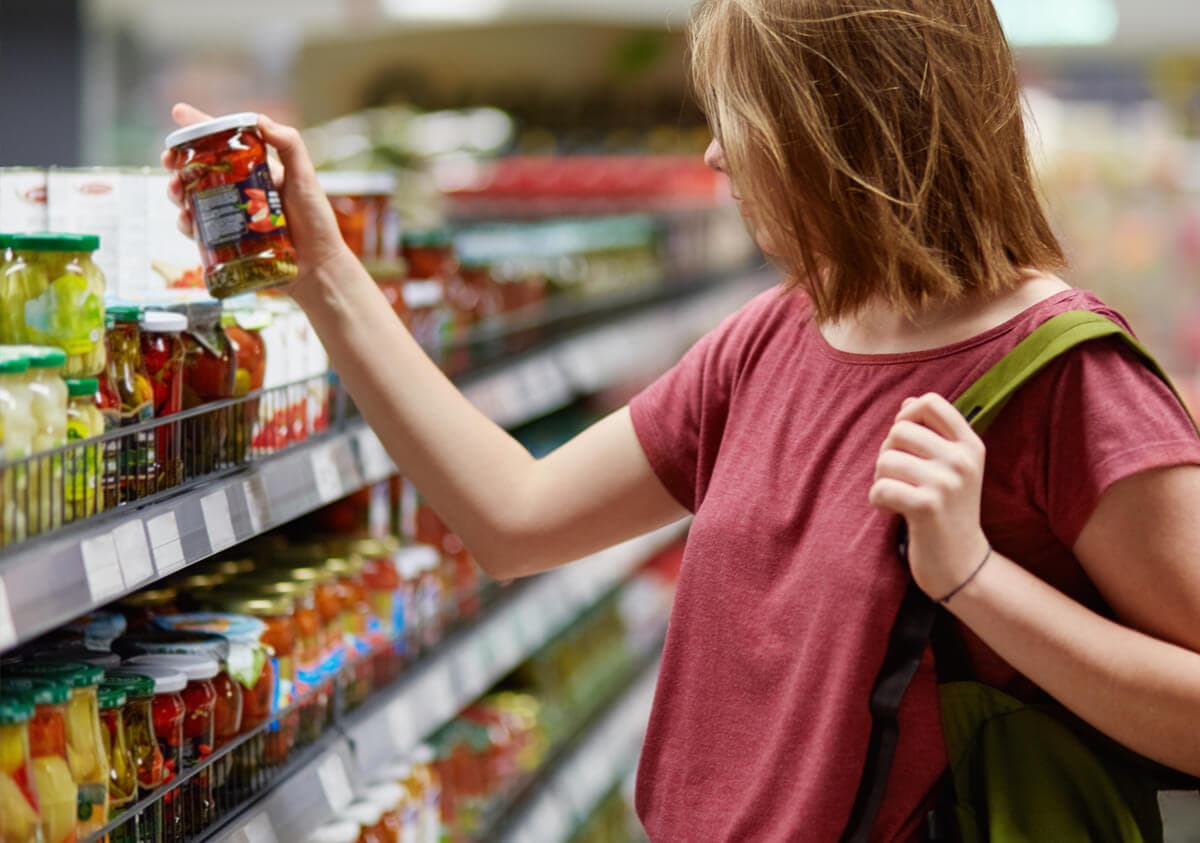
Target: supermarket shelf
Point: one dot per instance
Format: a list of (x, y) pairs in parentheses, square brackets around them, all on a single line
[(576, 784), (431, 694), (52, 579)]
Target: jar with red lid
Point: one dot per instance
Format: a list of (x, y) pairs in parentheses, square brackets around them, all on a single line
[(195, 800), (240, 225), (163, 355)]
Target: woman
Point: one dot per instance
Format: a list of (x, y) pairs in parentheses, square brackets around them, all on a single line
[(878, 152)]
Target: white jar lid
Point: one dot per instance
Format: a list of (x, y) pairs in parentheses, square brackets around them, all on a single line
[(336, 832), (224, 123), (163, 322), (193, 667), (166, 680), (365, 812), (422, 293)]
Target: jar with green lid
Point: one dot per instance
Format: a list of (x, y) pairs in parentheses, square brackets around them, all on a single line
[(57, 793), (83, 466), (20, 816), (144, 753), (122, 774), (49, 404), (86, 757), (58, 292), (126, 373), (17, 432)]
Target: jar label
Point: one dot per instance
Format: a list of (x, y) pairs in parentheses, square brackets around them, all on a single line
[(67, 314), (93, 799), (246, 209)]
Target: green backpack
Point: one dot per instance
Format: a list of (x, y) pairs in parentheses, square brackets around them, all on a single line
[(1018, 772)]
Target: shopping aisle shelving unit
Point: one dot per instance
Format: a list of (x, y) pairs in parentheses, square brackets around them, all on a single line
[(49, 580), (455, 674), (567, 793)]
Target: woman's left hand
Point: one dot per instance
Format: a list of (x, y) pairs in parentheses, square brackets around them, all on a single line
[(930, 471)]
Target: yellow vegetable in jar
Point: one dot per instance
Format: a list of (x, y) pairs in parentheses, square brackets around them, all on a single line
[(18, 820), (58, 798)]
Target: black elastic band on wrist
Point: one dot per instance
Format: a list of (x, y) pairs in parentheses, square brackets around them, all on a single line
[(944, 600)]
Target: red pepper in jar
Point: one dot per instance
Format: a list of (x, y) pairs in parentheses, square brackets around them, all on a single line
[(244, 242)]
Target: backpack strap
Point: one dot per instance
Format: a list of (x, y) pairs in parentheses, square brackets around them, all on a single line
[(981, 404)]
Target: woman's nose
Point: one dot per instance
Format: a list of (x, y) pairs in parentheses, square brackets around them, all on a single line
[(714, 157)]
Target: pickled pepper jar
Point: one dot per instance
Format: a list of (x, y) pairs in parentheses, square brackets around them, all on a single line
[(209, 375), (126, 373), (144, 751), (20, 816), (244, 328), (162, 351), (53, 283), (57, 793), (122, 773)]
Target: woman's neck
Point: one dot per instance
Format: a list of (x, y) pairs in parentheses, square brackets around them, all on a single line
[(880, 329)]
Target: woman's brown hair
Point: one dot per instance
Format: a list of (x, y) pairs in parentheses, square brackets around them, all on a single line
[(882, 142)]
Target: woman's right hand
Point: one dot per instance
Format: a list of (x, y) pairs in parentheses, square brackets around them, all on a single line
[(310, 220)]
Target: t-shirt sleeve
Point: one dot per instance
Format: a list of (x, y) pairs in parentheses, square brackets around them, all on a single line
[(679, 419), (1111, 417)]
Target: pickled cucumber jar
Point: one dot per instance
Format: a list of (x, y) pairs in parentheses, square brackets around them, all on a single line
[(86, 757), (17, 432), (82, 465), (56, 295), (49, 403), (20, 815)]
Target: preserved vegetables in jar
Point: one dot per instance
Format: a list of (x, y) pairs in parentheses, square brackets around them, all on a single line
[(240, 225), (209, 375), (163, 354), (17, 432), (20, 816), (86, 757), (199, 700), (56, 295), (382, 582), (244, 329), (144, 750), (362, 207), (49, 405), (57, 793), (122, 774), (83, 465), (137, 462)]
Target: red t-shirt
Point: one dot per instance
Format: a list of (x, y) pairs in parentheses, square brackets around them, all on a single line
[(790, 581)]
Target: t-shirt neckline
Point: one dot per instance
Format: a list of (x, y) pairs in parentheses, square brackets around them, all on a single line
[(958, 347)]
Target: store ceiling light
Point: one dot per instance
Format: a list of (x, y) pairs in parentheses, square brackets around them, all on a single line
[(1058, 23), (450, 10)]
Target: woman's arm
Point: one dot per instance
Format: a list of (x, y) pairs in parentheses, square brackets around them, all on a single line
[(518, 515), (1139, 684)]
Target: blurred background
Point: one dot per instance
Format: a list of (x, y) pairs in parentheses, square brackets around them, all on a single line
[(524, 180)]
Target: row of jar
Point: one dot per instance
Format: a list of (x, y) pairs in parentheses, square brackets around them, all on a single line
[(160, 361)]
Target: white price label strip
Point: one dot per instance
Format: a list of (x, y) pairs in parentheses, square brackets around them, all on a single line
[(473, 667), (102, 567), (547, 821), (376, 463), (8, 632), (439, 691), (402, 725), (328, 478), (165, 543), (133, 552), (506, 642), (258, 503), (217, 522), (335, 782)]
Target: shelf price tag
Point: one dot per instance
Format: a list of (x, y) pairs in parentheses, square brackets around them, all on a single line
[(258, 503), (547, 822), (102, 567), (133, 552), (402, 725), (376, 464), (8, 632), (325, 472), (217, 522), (506, 642), (165, 543), (335, 782)]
